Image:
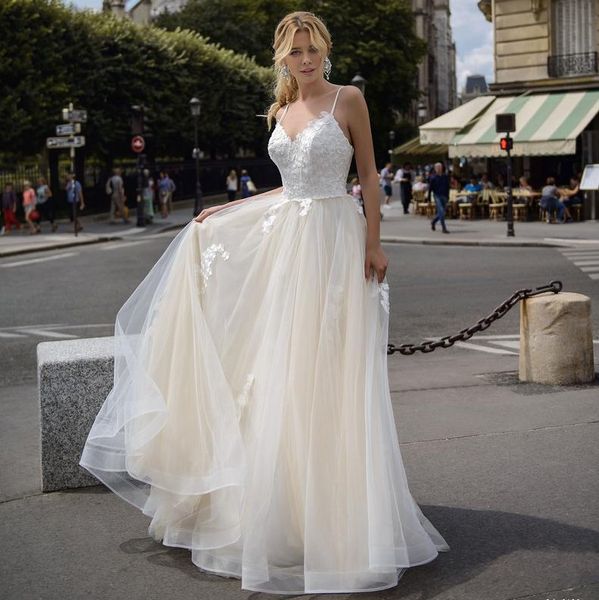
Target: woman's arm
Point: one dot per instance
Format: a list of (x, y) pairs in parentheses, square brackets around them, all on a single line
[(358, 122)]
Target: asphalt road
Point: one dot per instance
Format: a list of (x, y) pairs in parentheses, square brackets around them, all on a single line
[(434, 291)]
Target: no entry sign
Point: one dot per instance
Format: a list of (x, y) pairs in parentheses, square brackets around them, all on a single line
[(138, 144)]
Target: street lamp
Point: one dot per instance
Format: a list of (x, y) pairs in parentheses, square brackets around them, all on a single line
[(422, 112), (359, 82), (195, 107), (391, 144)]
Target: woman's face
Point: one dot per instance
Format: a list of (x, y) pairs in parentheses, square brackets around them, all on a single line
[(304, 60)]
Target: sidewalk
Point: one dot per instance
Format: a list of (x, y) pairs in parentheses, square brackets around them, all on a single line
[(395, 228), (505, 471)]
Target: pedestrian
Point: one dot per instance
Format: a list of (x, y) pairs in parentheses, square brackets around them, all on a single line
[(405, 186), (166, 188), (439, 187), (250, 414), (74, 193), (571, 197), (386, 177), (247, 185), (232, 185), (356, 192), (29, 207), (148, 196), (45, 203), (9, 209), (115, 188)]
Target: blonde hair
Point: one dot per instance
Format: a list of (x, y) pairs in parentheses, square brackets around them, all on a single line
[(286, 88)]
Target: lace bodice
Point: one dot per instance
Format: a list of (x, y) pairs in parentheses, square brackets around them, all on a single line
[(315, 163)]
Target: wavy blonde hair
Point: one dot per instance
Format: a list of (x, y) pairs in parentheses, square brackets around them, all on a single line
[(285, 88)]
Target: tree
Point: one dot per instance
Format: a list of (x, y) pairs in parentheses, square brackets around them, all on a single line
[(50, 55)]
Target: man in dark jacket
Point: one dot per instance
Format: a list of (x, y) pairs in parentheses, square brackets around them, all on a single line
[(439, 187)]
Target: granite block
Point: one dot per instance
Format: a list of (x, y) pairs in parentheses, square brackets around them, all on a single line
[(74, 377)]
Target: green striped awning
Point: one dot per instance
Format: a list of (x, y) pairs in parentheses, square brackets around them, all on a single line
[(546, 124), (414, 149)]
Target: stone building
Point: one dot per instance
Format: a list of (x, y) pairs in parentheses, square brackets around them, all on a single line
[(437, 71), (476, 85), (547, 75)]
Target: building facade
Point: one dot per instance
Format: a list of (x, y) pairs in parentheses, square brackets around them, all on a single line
[(437, 71)]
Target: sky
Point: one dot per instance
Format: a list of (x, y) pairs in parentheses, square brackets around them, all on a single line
[(472, 33)]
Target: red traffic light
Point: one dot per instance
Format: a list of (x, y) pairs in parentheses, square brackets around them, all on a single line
[(506, 144)]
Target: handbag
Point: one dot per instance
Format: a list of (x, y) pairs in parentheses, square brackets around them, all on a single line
[(251, 186), (34, 215)]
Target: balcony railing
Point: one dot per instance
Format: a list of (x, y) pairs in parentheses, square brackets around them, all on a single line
[(570, 65)]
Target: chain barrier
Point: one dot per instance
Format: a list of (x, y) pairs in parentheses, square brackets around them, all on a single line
[(481, 325)]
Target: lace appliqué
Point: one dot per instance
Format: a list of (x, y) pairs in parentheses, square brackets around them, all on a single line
[(208, 257), (244, 396), (270, 215), (384, 295)]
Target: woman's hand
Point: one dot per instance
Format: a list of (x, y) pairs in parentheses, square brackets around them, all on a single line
[(375, 261), (209, 211)]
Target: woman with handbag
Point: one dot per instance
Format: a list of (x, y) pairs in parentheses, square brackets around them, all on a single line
[(31, 215)]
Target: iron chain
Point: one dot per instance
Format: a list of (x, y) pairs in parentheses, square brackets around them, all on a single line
[(481, 325)]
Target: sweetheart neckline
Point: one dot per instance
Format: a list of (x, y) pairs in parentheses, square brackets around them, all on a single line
[(322, 115)]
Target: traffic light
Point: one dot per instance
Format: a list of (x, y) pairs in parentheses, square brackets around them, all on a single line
[(137, 119), (506, 143)]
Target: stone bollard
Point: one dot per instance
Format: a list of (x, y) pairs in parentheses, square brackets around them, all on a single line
[(556, 339), (75, 376)]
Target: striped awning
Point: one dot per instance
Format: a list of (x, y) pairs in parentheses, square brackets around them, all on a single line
[(415, 149), (546, 124), (442, 129)]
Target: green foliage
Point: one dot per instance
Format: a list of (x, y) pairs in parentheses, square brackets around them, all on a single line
[(376, 39), (50, 55)]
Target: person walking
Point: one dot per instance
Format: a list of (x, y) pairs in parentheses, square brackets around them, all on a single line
[(405, 176), (250, 416), (29, 207), (115, 188), (148, 196), (247, 185), (232, 185), (439, 187), (166, 189), (45, 203), (74, 194), (386, 177), (9, 209)]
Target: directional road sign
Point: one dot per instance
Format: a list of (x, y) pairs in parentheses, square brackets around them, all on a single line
[(68, 129), (138, 143), (65, 142), (79, 116)]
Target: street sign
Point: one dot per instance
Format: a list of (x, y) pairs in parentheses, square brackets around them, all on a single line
[(138, 143), (79, 116), (65, 142), (68, 129)]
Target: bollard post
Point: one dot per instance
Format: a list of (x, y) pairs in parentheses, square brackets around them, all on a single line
[(556, 339)]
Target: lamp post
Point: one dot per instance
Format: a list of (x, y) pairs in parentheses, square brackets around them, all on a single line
[(195, 107), (359, 82), (391, 144), (422, 112)]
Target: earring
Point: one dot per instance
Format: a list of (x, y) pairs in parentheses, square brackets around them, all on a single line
[(285, 71), (327, 67)]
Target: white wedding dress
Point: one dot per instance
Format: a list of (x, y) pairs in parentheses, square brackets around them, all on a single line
[(251, 416)]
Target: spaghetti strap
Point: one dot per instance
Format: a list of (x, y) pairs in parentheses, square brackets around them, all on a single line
[(335, 102), (284, 113)]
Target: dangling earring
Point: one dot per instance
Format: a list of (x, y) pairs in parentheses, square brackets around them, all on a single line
[(285, 71), (327, 67)]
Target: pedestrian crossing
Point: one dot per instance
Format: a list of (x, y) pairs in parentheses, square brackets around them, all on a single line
[(586, 259)]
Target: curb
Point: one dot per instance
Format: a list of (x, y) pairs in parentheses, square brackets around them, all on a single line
[(58, 246), (491, 243)]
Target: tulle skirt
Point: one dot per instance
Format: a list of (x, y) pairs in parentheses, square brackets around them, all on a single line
[(251, 416)]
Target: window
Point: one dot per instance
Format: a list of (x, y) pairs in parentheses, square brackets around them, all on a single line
[(573, 39)]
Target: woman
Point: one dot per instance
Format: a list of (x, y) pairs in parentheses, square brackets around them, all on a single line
[(231, 185), (45, 202), (251, 416), (550, 200), (29, 207)]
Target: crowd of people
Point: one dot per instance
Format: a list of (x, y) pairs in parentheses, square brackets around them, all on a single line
[(435, 182)]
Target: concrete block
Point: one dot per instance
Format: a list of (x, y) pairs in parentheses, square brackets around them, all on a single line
[(556, 339), (74, 378)]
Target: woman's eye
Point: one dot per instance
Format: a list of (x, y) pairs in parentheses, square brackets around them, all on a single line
[(294, 52)]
